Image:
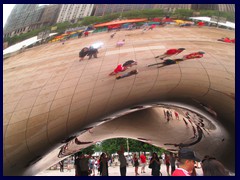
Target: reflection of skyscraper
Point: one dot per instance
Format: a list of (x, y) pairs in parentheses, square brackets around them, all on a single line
[(220, 7), (21, 17)]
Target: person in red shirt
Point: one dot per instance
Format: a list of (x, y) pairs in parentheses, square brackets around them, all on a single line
[(186, 160), (123, 67), (86, 33), (193, 55), (143, 162), (170, 52)]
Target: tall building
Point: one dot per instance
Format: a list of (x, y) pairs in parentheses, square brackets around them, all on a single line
[(21, 17), (73, 12), (220, 7), (103, 9), (50, 14)]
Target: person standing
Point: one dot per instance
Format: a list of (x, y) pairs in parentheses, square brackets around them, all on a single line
[(103, 165), (61, 164), (83, 162), (187, 160), (123, 162), (136, 164), (167, 162), (155, 164), (77, 165), (172, 162), (143, 162)]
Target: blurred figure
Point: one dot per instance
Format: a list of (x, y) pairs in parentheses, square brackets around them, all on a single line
[(61, 164), (103, 165), (212, 167), (170, 52), (83, 53), (123, 161), (135, 164), (120, 43), (143, 162), (155, 164)]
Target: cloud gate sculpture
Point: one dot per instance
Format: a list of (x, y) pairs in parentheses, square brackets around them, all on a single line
[(55, 105)]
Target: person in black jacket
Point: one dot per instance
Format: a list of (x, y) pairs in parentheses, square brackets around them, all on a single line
[(83, 53)]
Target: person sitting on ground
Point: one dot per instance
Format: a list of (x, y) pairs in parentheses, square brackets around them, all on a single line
[(120, 43), (83, 53), (212, 167), (123, 67), (170, 52), (187, 160)]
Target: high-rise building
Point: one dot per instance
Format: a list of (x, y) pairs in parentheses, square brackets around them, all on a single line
[(73, 12), (103, 9), (219, 7), (21, 17), (50, 14)]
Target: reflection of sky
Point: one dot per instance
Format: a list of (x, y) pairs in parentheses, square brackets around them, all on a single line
[(25, 43)]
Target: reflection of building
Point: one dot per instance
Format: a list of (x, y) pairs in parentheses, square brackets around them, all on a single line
[(220, 7), (72, 12), (103, 9), (21, 17), (27, 17)]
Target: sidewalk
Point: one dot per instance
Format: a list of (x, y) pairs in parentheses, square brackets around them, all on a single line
[(113, 171)]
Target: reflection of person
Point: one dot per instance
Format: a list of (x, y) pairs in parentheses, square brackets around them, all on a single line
[(128, 74), (120, 43), (123, 162), (83, 53), (92, 52), (155, 162), (170, 52), (123, 67), (187, 160), (194, 55), (212, 167), (166, 62)]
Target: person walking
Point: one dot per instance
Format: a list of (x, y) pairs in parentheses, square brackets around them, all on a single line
[(123, 161), (170, 52), (143, 162), (135, 164), (187, 160), (155, 164)]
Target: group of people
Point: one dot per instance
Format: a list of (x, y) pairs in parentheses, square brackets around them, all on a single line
[(88, 51), (172, 52)]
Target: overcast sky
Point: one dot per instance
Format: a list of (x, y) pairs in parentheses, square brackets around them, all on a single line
[(7, 8)]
